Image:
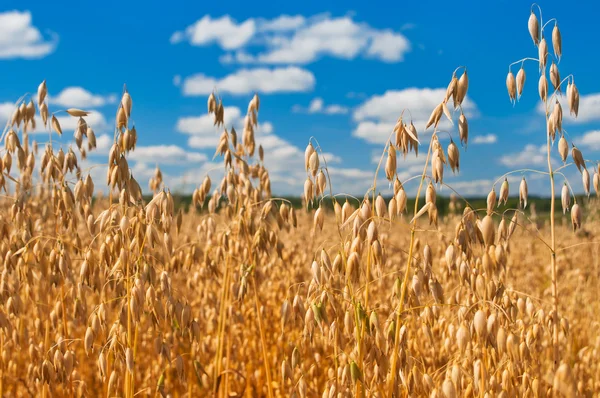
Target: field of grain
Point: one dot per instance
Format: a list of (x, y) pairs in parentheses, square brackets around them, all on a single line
[(243, 294)]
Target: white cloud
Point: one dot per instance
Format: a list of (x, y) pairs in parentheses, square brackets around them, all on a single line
[(351, 173), (246, 81), (478, 188), (336, 37), (377, 116), (373, 132), (589, 109), (531, 155), (295, 39), (165, 154), (282, 23), (591, 139), (6, 111), (20, 39), (388, 46), (103, 143), (224, 31), (78, 97), (353, 94), (318, 106), (485, 139), (335, 109)]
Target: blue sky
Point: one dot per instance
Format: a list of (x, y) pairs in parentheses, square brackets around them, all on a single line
[(341, 73)]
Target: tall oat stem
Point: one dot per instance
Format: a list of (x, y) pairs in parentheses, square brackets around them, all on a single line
[(553, 254), (263, 341), (406, 273)]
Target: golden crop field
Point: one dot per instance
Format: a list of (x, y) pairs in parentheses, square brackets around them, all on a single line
[(243, 294)]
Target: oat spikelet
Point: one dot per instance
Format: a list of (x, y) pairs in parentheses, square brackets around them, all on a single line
[(412, 132), (555, 76), (556, 42), (393, 206), (451, 88), (313, 163), (321, 183), (503, 192), (453, 156), (447, 112), (437, 167), (461, 89), (543, 87), (401, 199), (488, 230), (523, 191), (307, 154), (77, 112), (511, 86), (308, 191), (557, 115), (390, 163), (380, 207), (42, 91), (585, 177), (430, 194), (126, 103), (520, 81), (534, 28), (211, 104), (436, 115), (565, 198), (576, 217), (577, 158), (573, 99), (563, 148), (596, 182), (463, 129), (491, 201), (56, 125), (44, 113), (318, 219), (543, 53)]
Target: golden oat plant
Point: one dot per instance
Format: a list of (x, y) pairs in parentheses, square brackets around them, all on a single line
[(554, 92)]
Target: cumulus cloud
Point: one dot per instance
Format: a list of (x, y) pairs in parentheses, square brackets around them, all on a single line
[(20, 39), (377, 116), (166, 155), (247, 81), (530, 155), (78, 97), (591, 140), (317, 105), (224, 31), (485, 139), (295, 39), (6, 111)]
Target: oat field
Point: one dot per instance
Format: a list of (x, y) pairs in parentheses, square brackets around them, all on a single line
[(110, 293)]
